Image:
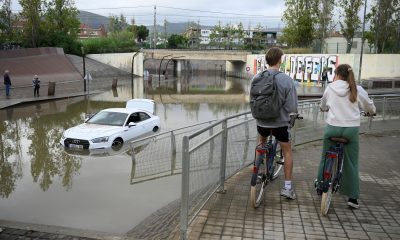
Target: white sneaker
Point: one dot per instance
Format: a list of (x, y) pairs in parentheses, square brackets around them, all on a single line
[(288, 193)]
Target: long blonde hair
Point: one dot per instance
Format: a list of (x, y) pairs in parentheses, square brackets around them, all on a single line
[(345, 72)]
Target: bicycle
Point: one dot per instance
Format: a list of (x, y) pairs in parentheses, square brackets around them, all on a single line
[(332, 171), (271, 154)]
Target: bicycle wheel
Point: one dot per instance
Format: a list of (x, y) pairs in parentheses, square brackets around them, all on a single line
[(278, 160), (327, 196), (258, 182)]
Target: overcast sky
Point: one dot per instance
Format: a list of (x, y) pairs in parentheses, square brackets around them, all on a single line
[(207, 12)]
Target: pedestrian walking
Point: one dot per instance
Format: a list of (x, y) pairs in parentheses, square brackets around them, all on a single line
[(36, 86), (7, 82), (324, 78)]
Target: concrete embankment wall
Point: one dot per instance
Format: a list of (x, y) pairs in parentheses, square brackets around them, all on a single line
[(122, 61)]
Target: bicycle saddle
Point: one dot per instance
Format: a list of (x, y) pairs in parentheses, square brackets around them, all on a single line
[(339, 139)]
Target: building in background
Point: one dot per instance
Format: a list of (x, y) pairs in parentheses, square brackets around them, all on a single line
[(85, 31)]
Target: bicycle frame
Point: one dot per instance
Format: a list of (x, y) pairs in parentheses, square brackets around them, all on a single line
[(266, 151), (335, 153)]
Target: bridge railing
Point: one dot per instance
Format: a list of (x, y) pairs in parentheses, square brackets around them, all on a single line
[(213, 154)]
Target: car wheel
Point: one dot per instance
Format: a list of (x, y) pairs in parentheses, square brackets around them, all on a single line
[(117, 144), (155, 129)]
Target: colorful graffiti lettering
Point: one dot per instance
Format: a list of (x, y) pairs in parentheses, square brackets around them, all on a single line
[(302, 68)]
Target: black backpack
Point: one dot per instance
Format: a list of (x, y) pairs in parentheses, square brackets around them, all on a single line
[(264, 97)]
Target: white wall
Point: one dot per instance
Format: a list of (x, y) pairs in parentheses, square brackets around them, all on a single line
[(122, 61), (339, 44)]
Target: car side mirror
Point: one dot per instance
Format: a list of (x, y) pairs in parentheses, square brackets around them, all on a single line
[(131, 124)]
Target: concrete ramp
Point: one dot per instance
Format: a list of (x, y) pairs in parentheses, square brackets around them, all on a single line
[(50, 64)]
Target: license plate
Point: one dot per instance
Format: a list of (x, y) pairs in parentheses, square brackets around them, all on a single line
[(75, 146)]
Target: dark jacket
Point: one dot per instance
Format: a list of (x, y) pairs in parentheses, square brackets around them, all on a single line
[(7, 80)]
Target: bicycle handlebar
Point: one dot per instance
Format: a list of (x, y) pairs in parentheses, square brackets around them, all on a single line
[(367, 114), (293, 117)]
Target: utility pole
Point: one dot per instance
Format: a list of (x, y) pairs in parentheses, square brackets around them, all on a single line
[(377, 22), (198, 34), (155, 29), (362, 43)]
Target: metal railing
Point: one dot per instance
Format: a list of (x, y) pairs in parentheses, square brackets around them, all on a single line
[(213, 154), (156, 156)]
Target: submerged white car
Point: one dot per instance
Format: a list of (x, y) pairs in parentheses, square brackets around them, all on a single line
[(113, 126)]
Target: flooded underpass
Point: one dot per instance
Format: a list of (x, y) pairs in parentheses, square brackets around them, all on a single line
[(41, 183)]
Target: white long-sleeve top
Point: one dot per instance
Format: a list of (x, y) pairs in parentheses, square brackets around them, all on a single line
[(341, 111)]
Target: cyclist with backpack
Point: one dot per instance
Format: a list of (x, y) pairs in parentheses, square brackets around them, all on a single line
[(343, 100), (273, 97)]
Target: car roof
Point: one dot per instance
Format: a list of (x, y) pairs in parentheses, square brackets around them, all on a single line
[(125, 110)]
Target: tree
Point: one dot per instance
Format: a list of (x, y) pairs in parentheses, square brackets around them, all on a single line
[(141, 33), (215, 36), (62, 17), (117, 24), (299, 20), (351, 20), (6, 21), (32, 12), (176, 41), (385, 21), (323, 11)]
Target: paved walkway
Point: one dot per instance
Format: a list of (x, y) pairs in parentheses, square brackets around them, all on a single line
[(231, 216)]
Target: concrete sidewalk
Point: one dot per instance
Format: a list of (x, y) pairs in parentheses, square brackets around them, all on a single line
[(231, 216)]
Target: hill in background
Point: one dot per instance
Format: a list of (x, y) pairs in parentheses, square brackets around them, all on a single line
[(95, 20), (92, 19)]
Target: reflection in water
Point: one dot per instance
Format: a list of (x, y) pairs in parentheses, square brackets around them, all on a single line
[(10, 156)]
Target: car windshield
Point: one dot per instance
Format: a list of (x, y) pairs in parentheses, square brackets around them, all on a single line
[(109, 118)]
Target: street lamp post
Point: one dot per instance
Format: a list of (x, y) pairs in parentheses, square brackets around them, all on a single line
[(362, 43), (159, 69), (84, 69), (133, 60)]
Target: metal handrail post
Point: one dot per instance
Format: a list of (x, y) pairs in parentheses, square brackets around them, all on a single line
[(185, 187), (173, 143), (223, 155), (383, 108)]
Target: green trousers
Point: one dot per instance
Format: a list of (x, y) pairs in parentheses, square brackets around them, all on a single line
[(350, 181)]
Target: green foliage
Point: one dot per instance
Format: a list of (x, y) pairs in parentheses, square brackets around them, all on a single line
[(351, 20), (32, 11), (298, 50), (141, 33), (60, 39), (117, 24), (385, 21), (299, 20), (114, 43), (177, 41), (61, 16), (228, 36)]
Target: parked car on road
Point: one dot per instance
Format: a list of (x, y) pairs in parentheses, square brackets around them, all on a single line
[(111, 127)]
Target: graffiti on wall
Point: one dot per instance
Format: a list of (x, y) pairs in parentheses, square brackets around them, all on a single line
[(301, 67)]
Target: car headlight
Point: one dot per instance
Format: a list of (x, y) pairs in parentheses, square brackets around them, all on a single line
[(100, 140)]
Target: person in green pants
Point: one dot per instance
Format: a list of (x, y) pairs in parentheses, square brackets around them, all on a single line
[(343, 100)]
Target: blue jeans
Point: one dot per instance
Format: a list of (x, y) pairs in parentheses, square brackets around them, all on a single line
[(8, 90)]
